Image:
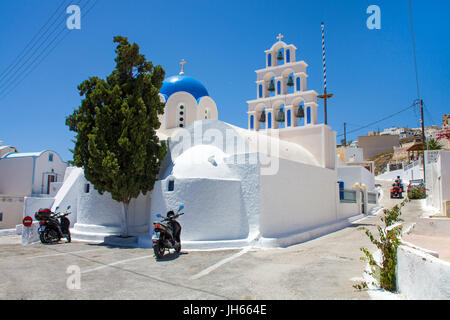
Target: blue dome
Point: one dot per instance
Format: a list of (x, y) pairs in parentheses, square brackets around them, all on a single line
[(183, 83)]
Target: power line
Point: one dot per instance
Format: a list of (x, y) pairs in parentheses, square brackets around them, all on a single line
[(19, 56), (383, 119), (414, 49), (31, 69), (17, 73), (428, 113)]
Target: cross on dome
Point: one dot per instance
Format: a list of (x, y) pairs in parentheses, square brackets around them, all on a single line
[(280, 36), (182, 63)]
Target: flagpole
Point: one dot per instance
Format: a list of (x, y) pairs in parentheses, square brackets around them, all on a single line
[(324, 96)]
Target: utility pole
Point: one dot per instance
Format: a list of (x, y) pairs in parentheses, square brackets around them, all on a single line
[(324, 96), (345, 134), (423, 138)]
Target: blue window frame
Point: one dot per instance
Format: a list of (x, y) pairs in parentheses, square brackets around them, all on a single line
[(288, 116), (252, 117), (260, 88), (269, 120), (171, 185), (298, 83), (269, 60), (308, 115)]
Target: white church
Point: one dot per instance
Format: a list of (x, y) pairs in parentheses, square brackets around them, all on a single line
[(275, 183)]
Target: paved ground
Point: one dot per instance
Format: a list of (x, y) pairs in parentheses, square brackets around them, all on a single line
[(323, 268)]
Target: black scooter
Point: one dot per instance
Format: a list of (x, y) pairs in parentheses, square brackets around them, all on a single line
[(166, 234), (53, 226)]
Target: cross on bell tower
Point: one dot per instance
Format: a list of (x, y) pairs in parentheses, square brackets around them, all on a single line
[(280, 36), (182, 63)]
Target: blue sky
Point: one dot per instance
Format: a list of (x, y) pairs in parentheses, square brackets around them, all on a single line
[(370, 72)]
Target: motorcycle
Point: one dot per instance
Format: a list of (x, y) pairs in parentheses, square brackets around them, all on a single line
[(396, 191), (53, 226), (166, 234)]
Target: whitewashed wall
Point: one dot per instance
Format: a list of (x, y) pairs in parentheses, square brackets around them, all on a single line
[(438, 180), (171, 113), (33, 204), (299, 197), (16, 176), (93, 213), (356, 174), (213, 208), (68, 194), (319, 140), (12, 209), (420, 276)]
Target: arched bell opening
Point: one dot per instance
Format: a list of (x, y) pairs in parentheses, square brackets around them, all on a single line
[(280, 116), (271, 87), (300, 113), (280, 56), (262, 118), (290, 83)]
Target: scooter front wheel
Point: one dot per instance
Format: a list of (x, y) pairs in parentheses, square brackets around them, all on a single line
[(159, 250)]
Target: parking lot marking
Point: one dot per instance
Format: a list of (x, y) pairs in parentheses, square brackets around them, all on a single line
[(115, 263), (64, 253), (218, 264)]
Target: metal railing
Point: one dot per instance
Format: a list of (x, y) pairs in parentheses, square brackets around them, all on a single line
[(432, 156), (372, 197), (348, 196)]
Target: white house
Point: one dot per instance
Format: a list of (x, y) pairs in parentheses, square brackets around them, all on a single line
[(273, 184), (35, 174), (26, 174)]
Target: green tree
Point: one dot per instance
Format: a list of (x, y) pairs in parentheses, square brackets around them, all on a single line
[(115, 126)]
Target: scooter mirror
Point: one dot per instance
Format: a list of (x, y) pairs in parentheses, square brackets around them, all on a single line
[(181, 208), (158, 215)]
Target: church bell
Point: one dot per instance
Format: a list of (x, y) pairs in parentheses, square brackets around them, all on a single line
[(279, 56), (290, 81), (280, 116), (262, 118), (300, 112), (271, 86)]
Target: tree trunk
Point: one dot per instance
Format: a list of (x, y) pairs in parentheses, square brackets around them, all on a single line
[(125, 219)]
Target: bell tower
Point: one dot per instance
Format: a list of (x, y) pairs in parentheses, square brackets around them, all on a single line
[(282, 99)]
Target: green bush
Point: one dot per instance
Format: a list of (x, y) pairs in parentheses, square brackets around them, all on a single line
[(418, 192), (387, 243)]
